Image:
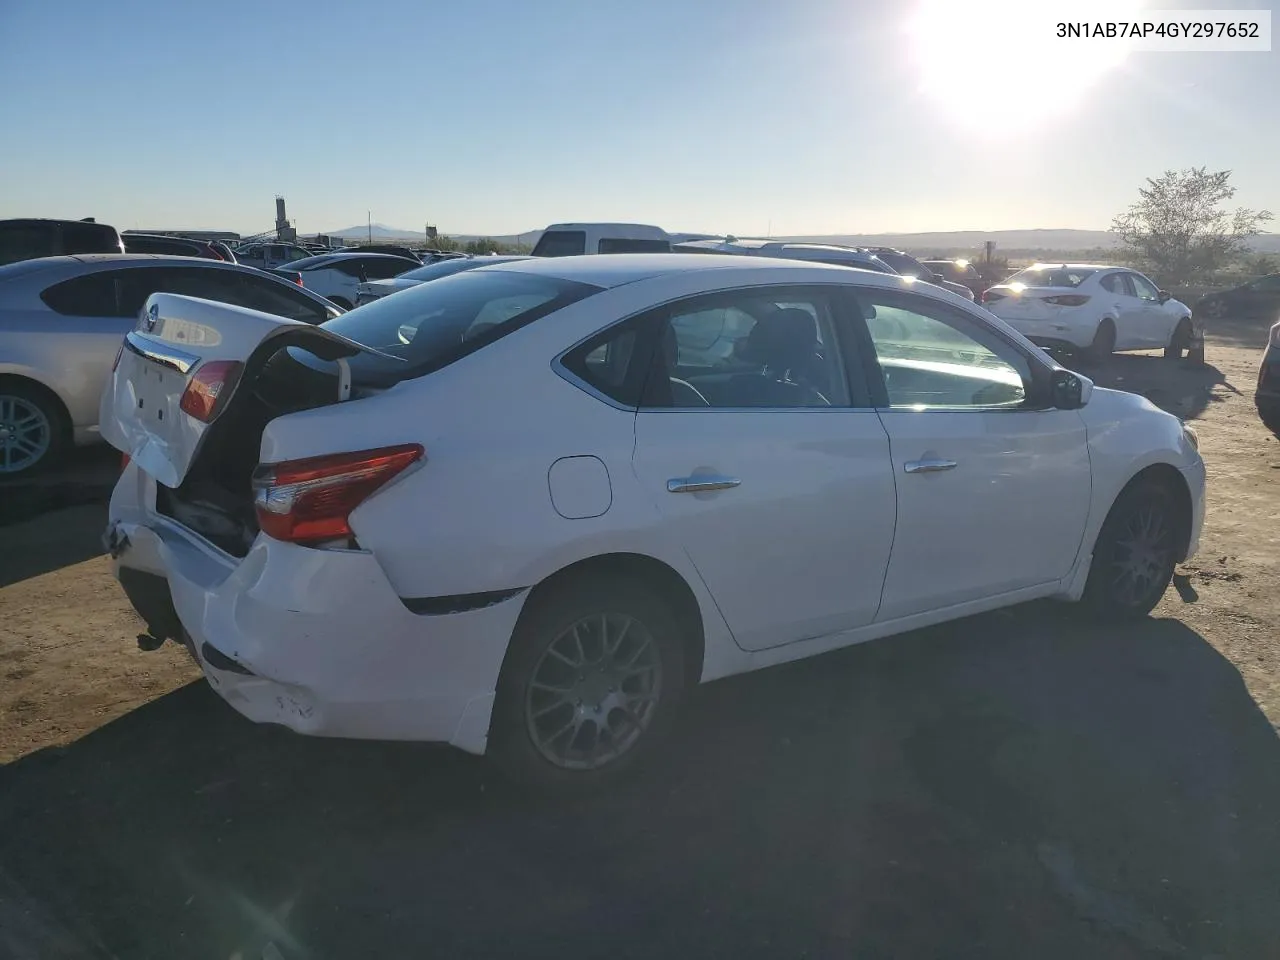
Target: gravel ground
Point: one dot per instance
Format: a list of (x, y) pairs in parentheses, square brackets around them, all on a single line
[(1017, 784)]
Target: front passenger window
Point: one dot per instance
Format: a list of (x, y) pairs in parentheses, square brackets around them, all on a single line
[(934, 357)]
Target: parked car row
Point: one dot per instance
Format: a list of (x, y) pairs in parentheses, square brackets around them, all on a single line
[(714, 464), (63, 319)]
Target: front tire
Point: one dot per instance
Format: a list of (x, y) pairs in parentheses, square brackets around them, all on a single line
[(1104, 341), (1134, 556), (590, 686), (1179, 340)]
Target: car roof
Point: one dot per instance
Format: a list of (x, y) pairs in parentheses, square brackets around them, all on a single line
[(86, 223), (615, 269), (1050, 265)]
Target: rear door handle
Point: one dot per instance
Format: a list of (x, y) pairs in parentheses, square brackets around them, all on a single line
[(928, 466), (701, 484)]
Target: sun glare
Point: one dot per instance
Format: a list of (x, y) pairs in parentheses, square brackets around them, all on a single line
[(1007, 53)]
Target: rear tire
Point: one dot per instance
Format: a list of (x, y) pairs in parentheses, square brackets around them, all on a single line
[(1104, 341), (1135, 553), (590, 685), (34, 429), (1179, 340), (1269, 414)]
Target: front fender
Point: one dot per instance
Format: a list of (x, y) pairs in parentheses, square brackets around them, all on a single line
[(1128, 434)]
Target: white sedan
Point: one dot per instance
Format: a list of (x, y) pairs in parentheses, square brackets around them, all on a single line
[(337, 276), (523, 509), (1098, 309)]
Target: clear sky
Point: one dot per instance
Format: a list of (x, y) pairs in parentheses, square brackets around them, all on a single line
[(741, 116)]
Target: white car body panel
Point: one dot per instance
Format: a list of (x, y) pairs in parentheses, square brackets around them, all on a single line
[(331, 283), (1020, 489), (792, 559), (790, 553)]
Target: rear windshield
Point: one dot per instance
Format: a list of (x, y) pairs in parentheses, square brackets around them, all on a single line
[(308, 263), (1051, 276), (25, 239), (441, 268), (433, 324), (89, 238), (561, 243)]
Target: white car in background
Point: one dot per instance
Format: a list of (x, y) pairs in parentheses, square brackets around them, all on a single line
[(524, 508), (1097, 309), (337, 276), (377, 289)]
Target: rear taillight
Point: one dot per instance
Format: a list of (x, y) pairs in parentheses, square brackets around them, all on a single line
[(124, 461), (208, 389), (1067, 300), (990, 296), (308, 501)]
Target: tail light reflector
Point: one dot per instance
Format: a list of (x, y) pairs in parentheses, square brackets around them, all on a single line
[(124, 461), (308, 501), (990, 296), (208, 389), (1068, 300)]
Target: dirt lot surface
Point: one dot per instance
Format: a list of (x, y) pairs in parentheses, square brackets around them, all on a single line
[(1020, 784)]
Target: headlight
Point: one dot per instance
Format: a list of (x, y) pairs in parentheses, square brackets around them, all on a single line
[(1192, 437)]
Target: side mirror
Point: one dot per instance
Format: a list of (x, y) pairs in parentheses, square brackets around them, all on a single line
[(1069, 391), (1165, 296)]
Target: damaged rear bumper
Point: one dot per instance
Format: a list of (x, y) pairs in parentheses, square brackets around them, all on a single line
[(315, 640)]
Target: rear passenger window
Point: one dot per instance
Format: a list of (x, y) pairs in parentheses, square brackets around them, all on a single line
[(386, 269), (261, 293), (610, 363), (89, 238), (88, 296), (561, 243), (749, 349)]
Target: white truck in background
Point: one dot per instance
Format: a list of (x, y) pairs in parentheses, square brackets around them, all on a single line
[(576, 239)]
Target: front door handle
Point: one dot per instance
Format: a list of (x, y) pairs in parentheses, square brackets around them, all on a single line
[(928, 466), (701, 484)]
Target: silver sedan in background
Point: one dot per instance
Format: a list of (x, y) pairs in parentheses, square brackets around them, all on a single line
[(62, 320)]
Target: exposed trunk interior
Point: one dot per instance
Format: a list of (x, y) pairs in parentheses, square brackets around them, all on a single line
[(216, 498)]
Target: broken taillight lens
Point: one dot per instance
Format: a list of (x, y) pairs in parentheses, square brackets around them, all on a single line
[(309, 501), (209, 387)]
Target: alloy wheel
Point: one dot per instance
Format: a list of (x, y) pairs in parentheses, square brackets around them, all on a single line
[(25, 434), (594, 691), (1143, 555)]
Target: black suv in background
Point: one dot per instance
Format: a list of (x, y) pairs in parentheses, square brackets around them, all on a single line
[(31, 238)]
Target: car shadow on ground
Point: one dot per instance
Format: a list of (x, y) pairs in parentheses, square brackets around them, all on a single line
[(86, 476), (52, 542), (1181, 387), (1013, 785)]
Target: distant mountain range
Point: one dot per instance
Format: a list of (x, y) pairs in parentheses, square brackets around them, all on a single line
[(939, 242)]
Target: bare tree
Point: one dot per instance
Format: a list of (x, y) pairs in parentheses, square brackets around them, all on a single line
[(1179, 228)]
